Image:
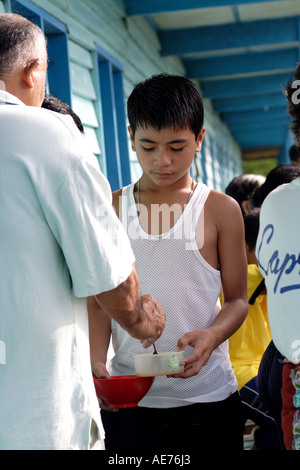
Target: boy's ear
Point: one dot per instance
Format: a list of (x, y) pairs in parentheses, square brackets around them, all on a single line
[(131, 138), (200, 139), (246, 205), (29, 73)]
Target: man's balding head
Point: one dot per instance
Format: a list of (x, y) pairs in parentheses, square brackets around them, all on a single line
[(23, 58)]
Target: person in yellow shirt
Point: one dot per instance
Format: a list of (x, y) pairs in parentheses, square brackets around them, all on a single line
[(248, 343)]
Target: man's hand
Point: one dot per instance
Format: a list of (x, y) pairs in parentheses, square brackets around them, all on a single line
[(152, 309), (141, 316)]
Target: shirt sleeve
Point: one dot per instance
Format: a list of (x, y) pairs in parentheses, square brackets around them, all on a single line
[(76, 201)]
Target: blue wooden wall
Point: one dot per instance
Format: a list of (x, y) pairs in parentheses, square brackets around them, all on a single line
[(98, 57)]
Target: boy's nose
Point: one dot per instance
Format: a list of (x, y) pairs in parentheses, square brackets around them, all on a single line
[(163, 158)]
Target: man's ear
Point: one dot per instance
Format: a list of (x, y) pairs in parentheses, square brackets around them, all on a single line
[(29, 73), (131, 138)]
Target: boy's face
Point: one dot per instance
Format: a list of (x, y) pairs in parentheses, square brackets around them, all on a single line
[(165, 155)]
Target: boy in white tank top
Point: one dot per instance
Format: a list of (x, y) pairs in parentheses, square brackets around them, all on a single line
[(183, 253)]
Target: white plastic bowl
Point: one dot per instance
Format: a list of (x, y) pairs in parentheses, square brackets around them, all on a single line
[(165, 363)]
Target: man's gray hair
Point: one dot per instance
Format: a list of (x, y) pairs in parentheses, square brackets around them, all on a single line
[(21, 43)]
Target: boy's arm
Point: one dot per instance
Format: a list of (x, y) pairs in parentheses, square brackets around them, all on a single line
[(99, 331), (233, 266)]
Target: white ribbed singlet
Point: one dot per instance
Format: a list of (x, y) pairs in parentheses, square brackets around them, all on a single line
[(171, 268)]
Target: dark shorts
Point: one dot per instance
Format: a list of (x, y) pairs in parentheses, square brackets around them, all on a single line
[(268, 436), (216, 425)]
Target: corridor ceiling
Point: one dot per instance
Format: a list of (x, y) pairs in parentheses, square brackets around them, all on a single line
[(241, 52)]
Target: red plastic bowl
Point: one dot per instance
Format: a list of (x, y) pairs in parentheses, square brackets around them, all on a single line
[(123, 391)]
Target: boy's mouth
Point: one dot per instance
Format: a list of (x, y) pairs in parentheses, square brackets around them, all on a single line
[(162, 175)]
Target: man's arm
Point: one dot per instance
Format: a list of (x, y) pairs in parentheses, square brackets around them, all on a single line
[(141, 316)]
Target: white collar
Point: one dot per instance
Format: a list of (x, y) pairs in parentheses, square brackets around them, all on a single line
[(8, 98), (296, 181)]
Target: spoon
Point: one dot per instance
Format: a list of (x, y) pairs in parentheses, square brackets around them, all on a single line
[(155, 350)]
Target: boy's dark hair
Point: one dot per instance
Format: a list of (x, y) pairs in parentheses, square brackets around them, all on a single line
[(163, 101), (55, 104), (294, 154), (281, 174), (251, 221), (243, 186)]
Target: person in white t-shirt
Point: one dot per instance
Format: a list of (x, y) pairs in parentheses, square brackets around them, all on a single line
[(60, 242), (278, 254)]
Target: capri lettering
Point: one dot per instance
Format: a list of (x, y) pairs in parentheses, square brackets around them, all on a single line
[(280, 265)]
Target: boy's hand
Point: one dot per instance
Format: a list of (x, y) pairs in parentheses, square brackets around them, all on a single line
[(203, 342), (99, 370)]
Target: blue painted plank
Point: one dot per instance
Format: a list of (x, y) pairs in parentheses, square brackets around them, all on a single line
[(282, 59), (258, 126), (112, 95), (252, 145), (245, 86), (122, 128), (30, 9), (254, 116), (59, 67), (265, 133), (284, 155), (109, 122), (106, 56), (257, 130), (248, 103), (146, 7), (228, 36), (58, 74), (263, 139)]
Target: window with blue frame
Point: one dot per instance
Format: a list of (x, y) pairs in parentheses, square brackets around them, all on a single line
[(58, 77), (112, 114)]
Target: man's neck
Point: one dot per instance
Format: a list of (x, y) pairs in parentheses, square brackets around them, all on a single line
[(6, 97)]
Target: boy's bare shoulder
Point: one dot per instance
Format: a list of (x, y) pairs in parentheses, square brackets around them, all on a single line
[(221, 205), (217, 197)]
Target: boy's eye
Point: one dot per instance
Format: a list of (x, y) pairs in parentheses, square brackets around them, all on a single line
[(177, 150), (147, 149)]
